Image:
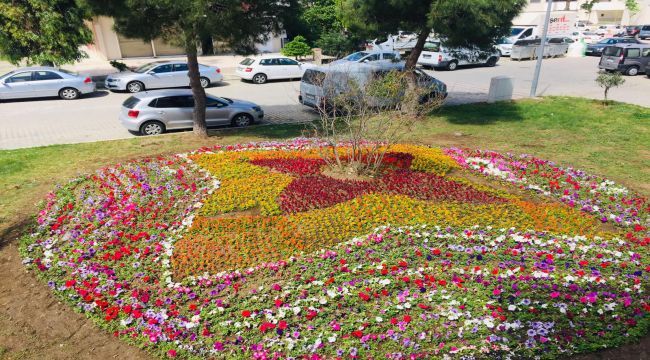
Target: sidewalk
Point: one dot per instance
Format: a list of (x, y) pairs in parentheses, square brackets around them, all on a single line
[(95, 66)]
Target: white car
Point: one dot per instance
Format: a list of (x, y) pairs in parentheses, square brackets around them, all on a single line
[(608, 29), (504, 45), (438, 57), (379, 57), (261, 69), (159, 75), (588, 37)]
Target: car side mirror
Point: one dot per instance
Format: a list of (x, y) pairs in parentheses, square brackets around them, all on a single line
[(151, 73)]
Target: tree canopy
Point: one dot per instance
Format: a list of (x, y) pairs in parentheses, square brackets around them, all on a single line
[(42, 32), (296, 47)]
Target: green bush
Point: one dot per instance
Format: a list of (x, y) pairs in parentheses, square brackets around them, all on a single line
[(297, 47), (336, 44)]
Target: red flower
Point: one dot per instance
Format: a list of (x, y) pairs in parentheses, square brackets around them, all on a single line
[(407, 319), (357, 334), (246, 313), (282, 325), (364, 296)]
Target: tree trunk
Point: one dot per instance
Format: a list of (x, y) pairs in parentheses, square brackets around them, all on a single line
[(567, 5), (198, 115), (412, 60), (207, 47)]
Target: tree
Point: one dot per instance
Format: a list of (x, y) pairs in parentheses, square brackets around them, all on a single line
[(42, 32), (185, 22), (466, 23), (297, 47), (608, 80), (336, 43), (368, 112)]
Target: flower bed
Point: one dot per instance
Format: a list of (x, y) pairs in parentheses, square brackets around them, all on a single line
[(119, 245)]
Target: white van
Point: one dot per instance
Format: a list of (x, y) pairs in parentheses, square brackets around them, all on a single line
[(319, 83), (438, 57)]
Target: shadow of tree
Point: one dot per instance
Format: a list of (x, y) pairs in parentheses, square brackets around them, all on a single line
[(482, 113)]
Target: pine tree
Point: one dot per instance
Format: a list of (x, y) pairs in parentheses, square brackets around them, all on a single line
[(296, 47)]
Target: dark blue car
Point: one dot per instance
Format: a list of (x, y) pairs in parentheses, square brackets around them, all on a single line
[(597, 48)]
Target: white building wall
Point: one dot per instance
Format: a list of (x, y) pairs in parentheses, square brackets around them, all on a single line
[(603, 12)]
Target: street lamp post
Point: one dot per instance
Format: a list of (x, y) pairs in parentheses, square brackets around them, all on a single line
[(540, 51)]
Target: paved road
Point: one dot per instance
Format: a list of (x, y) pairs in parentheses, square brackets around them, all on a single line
[(27, 123)]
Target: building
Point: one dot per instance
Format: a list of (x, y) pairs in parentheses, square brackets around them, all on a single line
[(603, 12), (109, 45)]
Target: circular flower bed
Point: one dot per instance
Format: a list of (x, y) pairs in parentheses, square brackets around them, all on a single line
[(252, 251)]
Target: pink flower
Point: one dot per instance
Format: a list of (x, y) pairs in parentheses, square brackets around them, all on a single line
[(171, 353), (555, 294)]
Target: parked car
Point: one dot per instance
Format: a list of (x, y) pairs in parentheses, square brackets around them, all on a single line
[(318, 83), (608, 29), (34, 82), (504, 46), (588, 36), (438, 56), (632, 30), (161, 74), (647, 70), (154, 112), (629, 59), (644, 33), (597, 48), (261, 69), (374, 57)]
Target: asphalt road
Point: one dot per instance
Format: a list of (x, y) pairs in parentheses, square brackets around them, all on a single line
[(28, 123)]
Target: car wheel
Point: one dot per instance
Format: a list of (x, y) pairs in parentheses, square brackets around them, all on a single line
[(205, 82), (242, 120), (152, 128), (134, 87), (259, 78), (492, 61), (69, 94), (632, 71), (452, 65)]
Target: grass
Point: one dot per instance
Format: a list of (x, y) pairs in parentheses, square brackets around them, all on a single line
[(612, 141)]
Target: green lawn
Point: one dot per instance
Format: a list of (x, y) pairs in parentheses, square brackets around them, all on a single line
[(613, 141)]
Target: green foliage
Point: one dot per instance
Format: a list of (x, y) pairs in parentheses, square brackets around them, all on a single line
[(335, 43), (633, 6), (120, 66), (608, 80), (42, 32), (296, 47)]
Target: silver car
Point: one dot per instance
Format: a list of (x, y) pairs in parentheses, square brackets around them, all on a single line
[(154, 112), (161, 74), (34, 82)]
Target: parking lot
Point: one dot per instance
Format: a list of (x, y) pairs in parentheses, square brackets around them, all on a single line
[(27, 123)]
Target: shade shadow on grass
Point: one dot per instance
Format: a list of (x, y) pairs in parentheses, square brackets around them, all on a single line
[(482, 113)]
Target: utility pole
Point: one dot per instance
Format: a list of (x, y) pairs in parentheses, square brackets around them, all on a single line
[(540, 51)]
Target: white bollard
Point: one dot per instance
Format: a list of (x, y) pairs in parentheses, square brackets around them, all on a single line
[(501, 88)]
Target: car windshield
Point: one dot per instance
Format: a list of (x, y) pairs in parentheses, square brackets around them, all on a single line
[(613, 51), (313, 77), (356, 56), (7, 75), (505, 41), (247, 61), (146, 67), (516, 31), (604, 41)]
